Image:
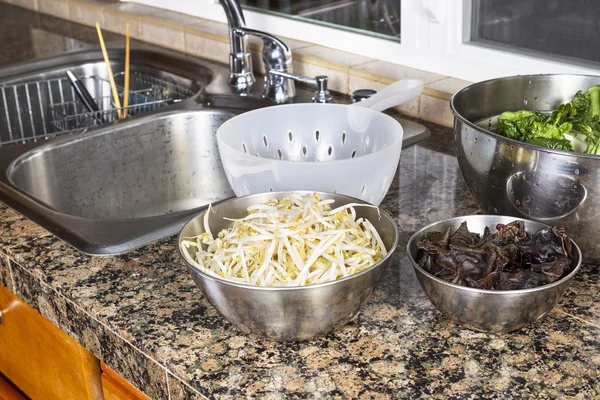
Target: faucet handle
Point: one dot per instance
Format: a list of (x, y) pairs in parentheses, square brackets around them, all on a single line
[(276, 54), (279, 79), (322, 95)]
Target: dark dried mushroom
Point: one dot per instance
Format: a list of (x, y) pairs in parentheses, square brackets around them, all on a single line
[(508, 259)]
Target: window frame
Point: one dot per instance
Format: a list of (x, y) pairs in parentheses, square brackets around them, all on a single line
[(434, 38)]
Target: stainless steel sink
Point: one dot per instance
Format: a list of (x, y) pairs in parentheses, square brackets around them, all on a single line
[(116, 187), (37, 100), (119, 186), (150, 167)]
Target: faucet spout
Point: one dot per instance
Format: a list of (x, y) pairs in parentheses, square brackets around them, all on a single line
[(241, 75)]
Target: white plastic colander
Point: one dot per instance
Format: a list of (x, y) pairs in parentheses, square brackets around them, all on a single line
[(348, 149)]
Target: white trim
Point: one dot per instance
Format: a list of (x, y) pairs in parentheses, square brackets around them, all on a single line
[(432, 39)]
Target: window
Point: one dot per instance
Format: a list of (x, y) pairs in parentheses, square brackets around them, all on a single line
[(468, 39), (568, 30), (380, 18)]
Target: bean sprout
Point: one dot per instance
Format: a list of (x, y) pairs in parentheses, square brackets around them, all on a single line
[(297, 241)]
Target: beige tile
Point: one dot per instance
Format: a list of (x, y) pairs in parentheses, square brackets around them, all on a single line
[(338, 81), (115, 21), (56, 8), (138, 10), (445, 88), (211, 29), (294, 44), (435, 110), (386, 72), (205, 47), (85, 12), (329, 58), (355, 83), (163, 33), (29, 4), (176, 19)]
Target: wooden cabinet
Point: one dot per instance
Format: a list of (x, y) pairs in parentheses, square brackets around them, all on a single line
[(40, 359), (117, 388), (8, 391), (45, 363)]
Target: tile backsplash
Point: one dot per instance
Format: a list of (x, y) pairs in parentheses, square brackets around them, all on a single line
[(209, 39)]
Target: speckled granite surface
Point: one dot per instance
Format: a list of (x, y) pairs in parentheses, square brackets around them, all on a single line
[(141, 314)]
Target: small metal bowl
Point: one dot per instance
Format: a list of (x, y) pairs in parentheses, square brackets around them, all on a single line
[(489, 310), (289, 313)]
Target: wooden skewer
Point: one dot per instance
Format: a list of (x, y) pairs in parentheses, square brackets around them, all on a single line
[(111, 78), (126, 92)]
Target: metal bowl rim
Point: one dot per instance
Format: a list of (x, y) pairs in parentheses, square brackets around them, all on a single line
[(420, 232), (517, 142), (326, 162), (378, 264)]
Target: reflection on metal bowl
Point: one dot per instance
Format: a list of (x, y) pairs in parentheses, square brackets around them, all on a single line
[(529, 192), (509, 177)]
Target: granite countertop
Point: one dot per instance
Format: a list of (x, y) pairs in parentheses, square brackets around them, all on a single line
[(142, 315)]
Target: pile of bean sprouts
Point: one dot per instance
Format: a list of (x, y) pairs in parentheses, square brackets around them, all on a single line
[(299, 240)]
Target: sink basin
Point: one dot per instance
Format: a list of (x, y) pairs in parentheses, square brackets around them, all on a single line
[(162, 165), (118, 186)]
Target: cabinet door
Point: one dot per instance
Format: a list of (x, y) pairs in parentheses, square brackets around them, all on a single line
[(117, 388), (8, 391), (40, 359)]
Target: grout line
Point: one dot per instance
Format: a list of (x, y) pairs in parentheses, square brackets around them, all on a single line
[(183, 383), (560, 310), (12, 278), (362, 64)]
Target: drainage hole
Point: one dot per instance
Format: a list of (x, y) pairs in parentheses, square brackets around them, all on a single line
[(353, 154), (330, 150), (279, 154), (290, 135), (304, 151), (244, 147), (265, 141), (363, 189), (270, 189), (343, 137), (317, 135)]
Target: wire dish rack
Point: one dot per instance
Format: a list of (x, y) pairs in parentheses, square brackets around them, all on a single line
[(44, 109)]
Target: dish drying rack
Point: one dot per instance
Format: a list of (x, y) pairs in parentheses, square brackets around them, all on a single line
[(44, 109)]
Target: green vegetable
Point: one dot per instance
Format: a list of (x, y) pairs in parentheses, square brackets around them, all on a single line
[(572, 126), (551, 143)]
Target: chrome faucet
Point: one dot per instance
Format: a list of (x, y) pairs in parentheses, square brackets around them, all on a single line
[(279, 80)]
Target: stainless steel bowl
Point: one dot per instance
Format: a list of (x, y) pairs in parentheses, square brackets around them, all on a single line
[(488, 310), (289, 313), (509, 177)]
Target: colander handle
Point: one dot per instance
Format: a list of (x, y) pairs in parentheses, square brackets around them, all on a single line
[(393, 95)]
